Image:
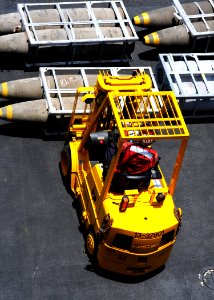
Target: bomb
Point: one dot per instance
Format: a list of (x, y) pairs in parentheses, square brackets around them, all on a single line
[(36, 110), (11, 23), (18, 43), (166, 16), (175, 36), (31, 88)]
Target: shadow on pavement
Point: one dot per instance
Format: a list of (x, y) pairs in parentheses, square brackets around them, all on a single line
[(121, 278)]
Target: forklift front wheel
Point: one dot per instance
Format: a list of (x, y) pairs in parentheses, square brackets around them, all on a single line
[(65, 161)]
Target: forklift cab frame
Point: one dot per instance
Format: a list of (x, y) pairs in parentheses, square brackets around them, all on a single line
[(117, 235)]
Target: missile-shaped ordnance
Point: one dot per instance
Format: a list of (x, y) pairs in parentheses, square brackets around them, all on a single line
[(63, 82), (36, 110), (32, 111), (11, 23), (176, 35), (31, 88), (166, 16), (18, 42)]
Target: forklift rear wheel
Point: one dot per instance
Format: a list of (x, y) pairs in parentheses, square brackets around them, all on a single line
[(91, 245)]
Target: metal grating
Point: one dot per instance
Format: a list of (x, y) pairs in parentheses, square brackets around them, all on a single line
[(148, 115), (189, 20), (189, 75), (121, 21), (67, 80)]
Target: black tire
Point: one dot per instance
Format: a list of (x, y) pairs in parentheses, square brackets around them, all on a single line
[(91, 245), (65, 165)]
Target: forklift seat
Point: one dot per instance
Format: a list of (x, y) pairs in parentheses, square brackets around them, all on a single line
[(125, 181), (98, 143)]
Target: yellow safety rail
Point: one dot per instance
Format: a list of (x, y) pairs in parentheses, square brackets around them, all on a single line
[(147, 115), (139, 82)]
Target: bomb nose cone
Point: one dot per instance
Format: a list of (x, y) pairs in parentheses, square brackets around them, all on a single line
[(6, 113), (152, 39), (162, 17), (142, 20), (4, 90), (136, 20)]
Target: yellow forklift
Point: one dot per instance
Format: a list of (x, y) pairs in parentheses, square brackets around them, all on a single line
[(131, 221)]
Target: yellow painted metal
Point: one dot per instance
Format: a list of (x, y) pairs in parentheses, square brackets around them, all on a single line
[(131, 192), (90, 242), (146, 18), (85, 93), (141, 82), (156, 39), (136, 20), (129, 264), (4, 86), (137, 113), (92, 124), (147, 39), (9, 110), (74, 165), (153, 115), (177, 166)]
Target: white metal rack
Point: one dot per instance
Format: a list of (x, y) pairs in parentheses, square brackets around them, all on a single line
[(190, 20), (191, 77), (66, 23), (86, 75), (58, 116)]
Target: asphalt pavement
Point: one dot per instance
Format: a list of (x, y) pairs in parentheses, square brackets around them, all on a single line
[(41, 244)]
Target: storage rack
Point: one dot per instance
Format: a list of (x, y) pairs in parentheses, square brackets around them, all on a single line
[(121, 20), (176, 71), (58, 116), (189, 20), (83, 73)]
